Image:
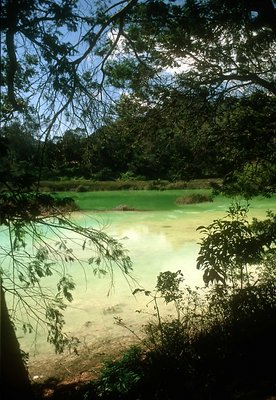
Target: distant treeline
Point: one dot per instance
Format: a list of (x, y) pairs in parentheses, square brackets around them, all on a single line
[(178, 139)]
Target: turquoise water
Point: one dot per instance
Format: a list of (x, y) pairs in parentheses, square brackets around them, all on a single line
[(157, 241)]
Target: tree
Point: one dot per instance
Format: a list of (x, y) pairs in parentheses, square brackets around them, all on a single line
[(212, 48), (161, 138), (44, 78), (244, 143), (233, 245), (35, 230), (149, 35), (38, 246), (157, 134), (20, 157), (46, 61), (221, 47)]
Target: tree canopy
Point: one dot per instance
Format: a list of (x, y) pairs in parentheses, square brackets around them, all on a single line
[(61, 60), (56, 56), (50, 65), (218, 46)]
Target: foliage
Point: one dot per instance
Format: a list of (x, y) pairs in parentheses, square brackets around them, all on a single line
[(52, 78), (240, 64), (122, 376), (232, 138), (35, 230), (38, 246), (225, 47), (221, 341), (232, 245), (194, 198), (251, 180), (217, 49), (199, 51), (66, 185), (43, 87)]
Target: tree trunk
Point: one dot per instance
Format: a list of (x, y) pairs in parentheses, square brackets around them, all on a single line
[(15, 382)]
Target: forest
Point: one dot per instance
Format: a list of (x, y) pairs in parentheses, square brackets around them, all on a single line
[(164, 141), (141, 90)]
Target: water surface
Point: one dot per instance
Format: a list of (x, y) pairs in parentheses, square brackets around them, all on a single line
[(157, 241)]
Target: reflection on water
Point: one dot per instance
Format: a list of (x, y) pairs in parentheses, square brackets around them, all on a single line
[(157, 242)]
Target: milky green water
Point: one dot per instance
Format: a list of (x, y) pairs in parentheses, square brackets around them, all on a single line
[(157, 241)]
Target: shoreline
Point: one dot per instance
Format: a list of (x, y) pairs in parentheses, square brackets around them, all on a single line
[(81, 367)]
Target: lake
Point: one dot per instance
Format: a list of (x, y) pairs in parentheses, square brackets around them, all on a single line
[(157, 241)]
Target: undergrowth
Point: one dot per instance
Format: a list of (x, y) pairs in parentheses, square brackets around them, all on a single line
[(219, 342)]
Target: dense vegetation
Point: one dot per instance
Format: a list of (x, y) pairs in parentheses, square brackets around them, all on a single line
[(161, 142), (136, 90)]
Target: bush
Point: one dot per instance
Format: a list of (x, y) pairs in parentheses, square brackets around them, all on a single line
[(130, 176), (121, 378), (82, 189), (124, 207), (127, 182), (231, 357), (222, 343), (194, 199)]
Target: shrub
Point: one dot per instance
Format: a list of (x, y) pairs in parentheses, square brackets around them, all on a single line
[(123, 207), (221, 344), (121, 377), (130, 176), (194, 198), (81, 188), (178, 185)]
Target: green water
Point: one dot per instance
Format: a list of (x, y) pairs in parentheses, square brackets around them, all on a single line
[(165, 238), (152, 200)]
